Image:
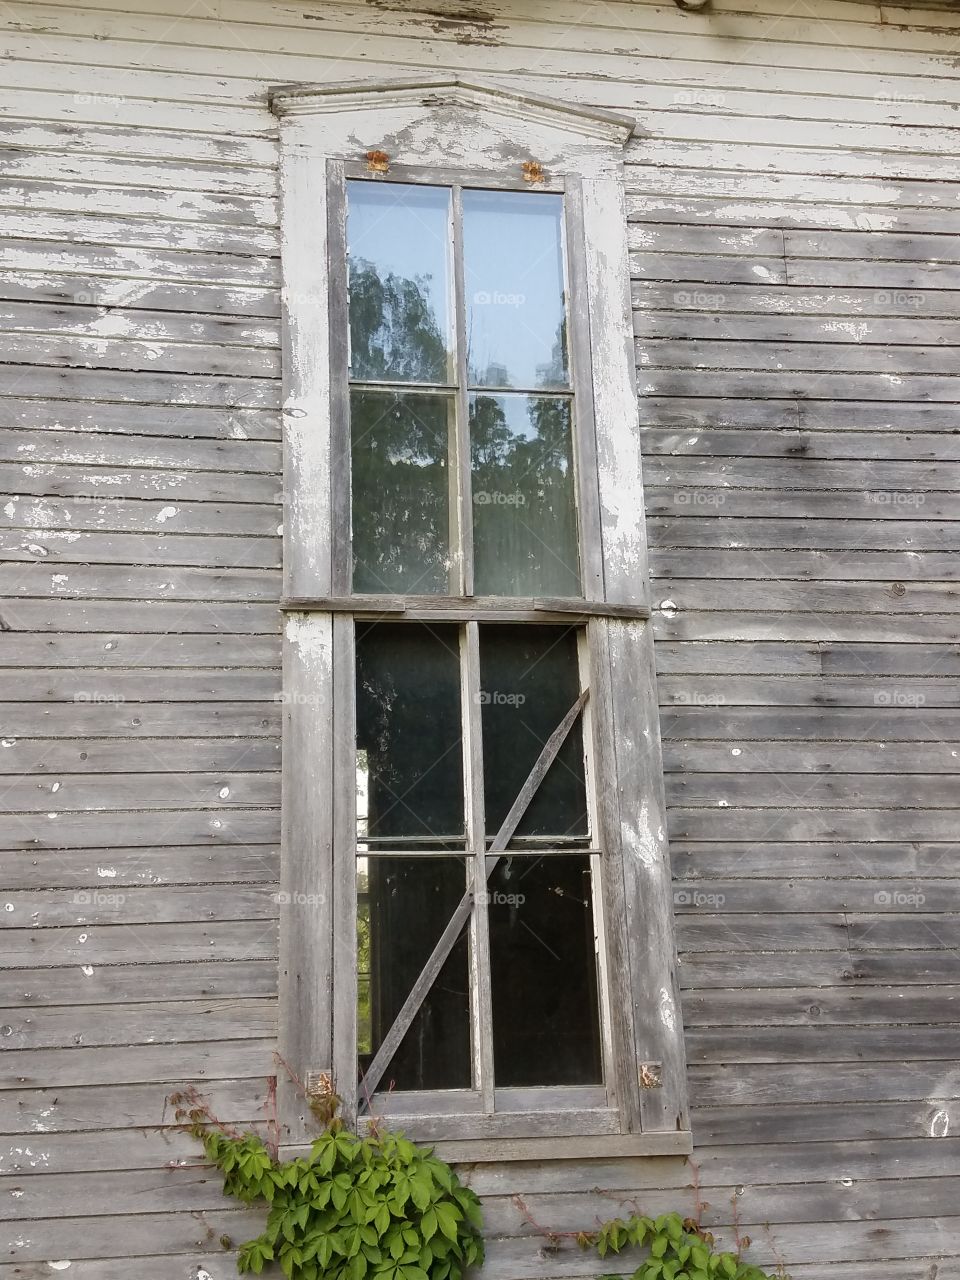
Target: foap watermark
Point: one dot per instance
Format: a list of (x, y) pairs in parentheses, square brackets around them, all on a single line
[(698, 898), (288, 699), (97, 898), (699, 98), (699, 299), (698, 698), (895, 96), (498, 698), (497, 298), (893, 498), (898, 698), (96, 500), (98, 699), (497, 498), (698, 498), (497, 898), (899, 899), (906, 300), (98, 99), (295, 898)]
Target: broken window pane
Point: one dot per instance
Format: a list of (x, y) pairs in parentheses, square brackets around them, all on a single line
[(403, 906), (529, 679), (398, 245), (546, 1020), (409, 752), (401, 501), (513, 278), (524, 510)]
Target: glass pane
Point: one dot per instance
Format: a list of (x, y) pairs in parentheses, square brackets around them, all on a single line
[(409, 753), (403, 906), (524, 509), (513, 281), (401, 503), (398, 245), (546, 1022), (529, 679)]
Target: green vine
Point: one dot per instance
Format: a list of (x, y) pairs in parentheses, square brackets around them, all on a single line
[(382, 1208), (373, 1208), (678, 1249)]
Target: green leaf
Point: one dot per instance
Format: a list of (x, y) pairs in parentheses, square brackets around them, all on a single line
[(448, 1219), (428, 1224)]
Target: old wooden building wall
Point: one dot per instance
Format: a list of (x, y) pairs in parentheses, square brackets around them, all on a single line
[(794, 209)]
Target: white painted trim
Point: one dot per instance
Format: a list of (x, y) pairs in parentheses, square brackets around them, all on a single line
[(434, 91)]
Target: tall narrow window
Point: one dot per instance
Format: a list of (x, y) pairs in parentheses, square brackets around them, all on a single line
[(472, 791)]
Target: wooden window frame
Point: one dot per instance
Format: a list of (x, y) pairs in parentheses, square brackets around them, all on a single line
[(451, 131)]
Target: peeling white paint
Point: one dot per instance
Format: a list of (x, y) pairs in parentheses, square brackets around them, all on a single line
[(166, 514), (668, 1010), (87, 970), (59, 1266), (940, 1124), (106, 872)]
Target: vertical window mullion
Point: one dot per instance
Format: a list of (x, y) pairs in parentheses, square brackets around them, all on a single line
[(462, 463), (581, 370), (481, 999), (604, 978)]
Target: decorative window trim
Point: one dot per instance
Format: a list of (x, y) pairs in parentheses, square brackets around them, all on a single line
[(486, 131)]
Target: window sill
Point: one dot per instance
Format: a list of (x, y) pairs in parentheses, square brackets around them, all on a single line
[(613, 1146), (606, 1147)]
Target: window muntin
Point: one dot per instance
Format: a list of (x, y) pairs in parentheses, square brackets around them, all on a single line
[(457, 293), (540, 1017)]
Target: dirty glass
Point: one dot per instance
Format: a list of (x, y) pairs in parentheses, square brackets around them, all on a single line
[(403, 906), (529, 679), (398, 247), (401, 503), (546, 1020), (409, 752), (524, 508), (514, 289)]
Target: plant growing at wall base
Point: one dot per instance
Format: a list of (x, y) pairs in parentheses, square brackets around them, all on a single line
[(372, 1208), (678, 1248)]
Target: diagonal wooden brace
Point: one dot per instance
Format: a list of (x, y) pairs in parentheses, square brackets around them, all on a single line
[(428, 975)]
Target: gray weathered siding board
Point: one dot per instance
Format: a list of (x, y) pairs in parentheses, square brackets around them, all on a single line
[(796, 311)]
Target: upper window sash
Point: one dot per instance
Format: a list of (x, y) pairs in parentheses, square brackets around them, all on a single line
[(490, 525)]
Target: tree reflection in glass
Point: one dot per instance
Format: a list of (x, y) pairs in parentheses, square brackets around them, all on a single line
[(401, 506), (398, 245), (524, 511)]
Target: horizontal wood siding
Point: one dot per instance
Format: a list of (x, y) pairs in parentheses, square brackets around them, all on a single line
[(796, 286)]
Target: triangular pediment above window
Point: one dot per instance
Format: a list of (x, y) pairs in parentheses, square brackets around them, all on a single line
[(449, 121)]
